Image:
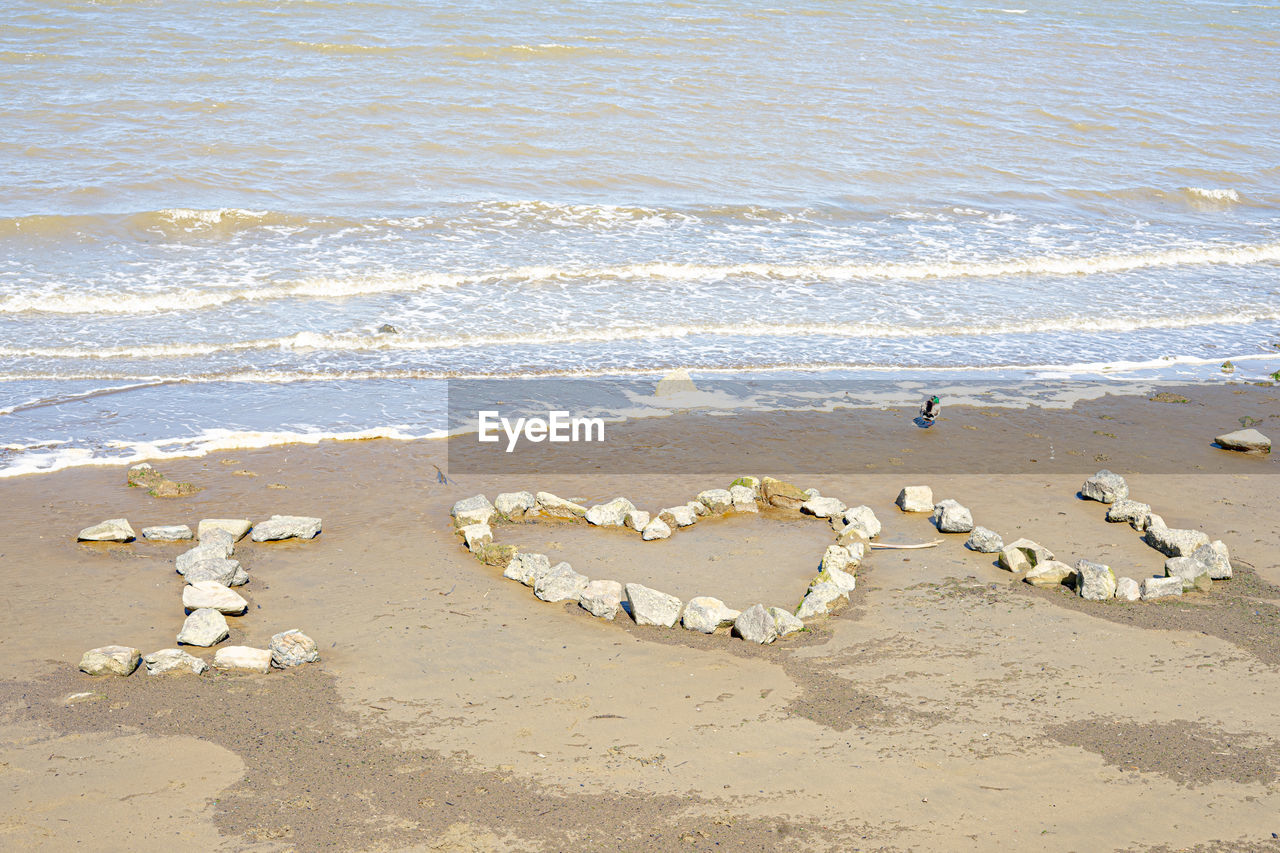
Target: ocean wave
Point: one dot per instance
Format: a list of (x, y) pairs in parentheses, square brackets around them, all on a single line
[(78, 302), (170, 223), (364, 342)]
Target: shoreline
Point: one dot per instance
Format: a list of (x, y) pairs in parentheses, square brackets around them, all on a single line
[(467, 715)]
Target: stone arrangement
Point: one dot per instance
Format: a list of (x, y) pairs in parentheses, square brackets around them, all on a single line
[(854, 527), (208, 598)]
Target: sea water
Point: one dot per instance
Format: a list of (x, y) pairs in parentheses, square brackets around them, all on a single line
[(241, 223)]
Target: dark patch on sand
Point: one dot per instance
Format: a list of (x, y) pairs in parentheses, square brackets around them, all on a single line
[(1244, 611), (321, 779), (1189, 753)]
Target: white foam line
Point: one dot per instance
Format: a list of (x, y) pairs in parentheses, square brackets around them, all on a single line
[(74, 302)]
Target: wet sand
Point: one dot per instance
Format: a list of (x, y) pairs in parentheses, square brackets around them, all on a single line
[(946, 707)]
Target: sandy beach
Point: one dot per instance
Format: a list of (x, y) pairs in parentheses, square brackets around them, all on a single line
[(947, 706)]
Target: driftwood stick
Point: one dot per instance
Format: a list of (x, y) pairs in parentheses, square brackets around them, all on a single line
[(885, 546)]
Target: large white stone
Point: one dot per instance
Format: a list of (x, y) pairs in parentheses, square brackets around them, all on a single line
[(637, 520), (1160, 587), (1245, 441), (1127, 589), (755, 625), (293, 648), (601, 598), (199, 554), (475, 535), (611, 514), (1175, 542), (861, 519), (286, 527), (1050, 573), (237, 527), (718, 501), (1105, 486), (1193, 573), (556, 507), (213, 595), (950, 517), (819, 599), (821, 507), (984, 541), (1095, 581), (513, 505), (174, 661), (1134, 512), (473, 510), (110, 660), (678, 516), (527, 568), (655, 529), (167, 533), (838, 557), (915, 499), (743, 498), (1215, 556), (705, 614), (111, 530), (1022, 554), (225, 572), (561, 583), (844, 581), (650, 607), (204, 627), (242, 659)]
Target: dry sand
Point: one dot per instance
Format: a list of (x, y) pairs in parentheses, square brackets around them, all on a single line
[(947, 707)]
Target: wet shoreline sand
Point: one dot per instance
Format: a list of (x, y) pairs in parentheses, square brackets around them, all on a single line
[(946, 707)]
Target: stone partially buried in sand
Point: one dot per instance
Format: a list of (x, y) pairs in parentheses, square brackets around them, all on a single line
[(950, 517), (111, 530), (781, 494), (556, 507), (475, 535), (237, 527), (602, 599), (473, 510), (1134, 512), (167, 533), (1127, 589), (242, 659), (755, 625), (915, 499), (175, 662), (1193, 573), (678, 516), (744, 498), (110, 660), (1244, 441), (1050, 573), (705, 614), (821, 507), (1175, 542), (293, 648), (611, 514), (1160, 588), (818, 600), (650, 607), (1215, 556), (513, 505), (984, 541), (199, 554), (218, 570), (527, 568), (859, 519), (655, 529), (204, 627), (286, 527), (1023, 554), (1095, 581), (561, 583), (785, 622)]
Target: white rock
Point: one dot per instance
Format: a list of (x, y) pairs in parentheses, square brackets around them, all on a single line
[(950, 517), (984, 541), (1215, 556), (110, 660), (293, 648), (705, 614), (174, 661), (699, 508), (1050, 573), (861, 519), (843, 581), (243, 659), (473, 510), (167, 533), (637, 519), (218, 570), (718, 501), (744, 499), (915, 499), (204, 627), (111, 530), (1105, 486), (1174, 542), (237, 527), (1094, 581), (286, 527), (1127, 589), (655, 529), (557, 507), (837, 557), (1160, 587), (1022, 554), (1245, 441), (650, 607), (527, 568), (821, 507), (755, 625), (611, 514), (475, 535), (601, 598), (213, 595), (199, 554), (785, 621), (514, 505), (819, 599), (1193, 573), (678, 516), (1130, 511), (562, 583)]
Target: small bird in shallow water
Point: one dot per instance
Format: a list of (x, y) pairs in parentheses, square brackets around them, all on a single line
[(441, 477)]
